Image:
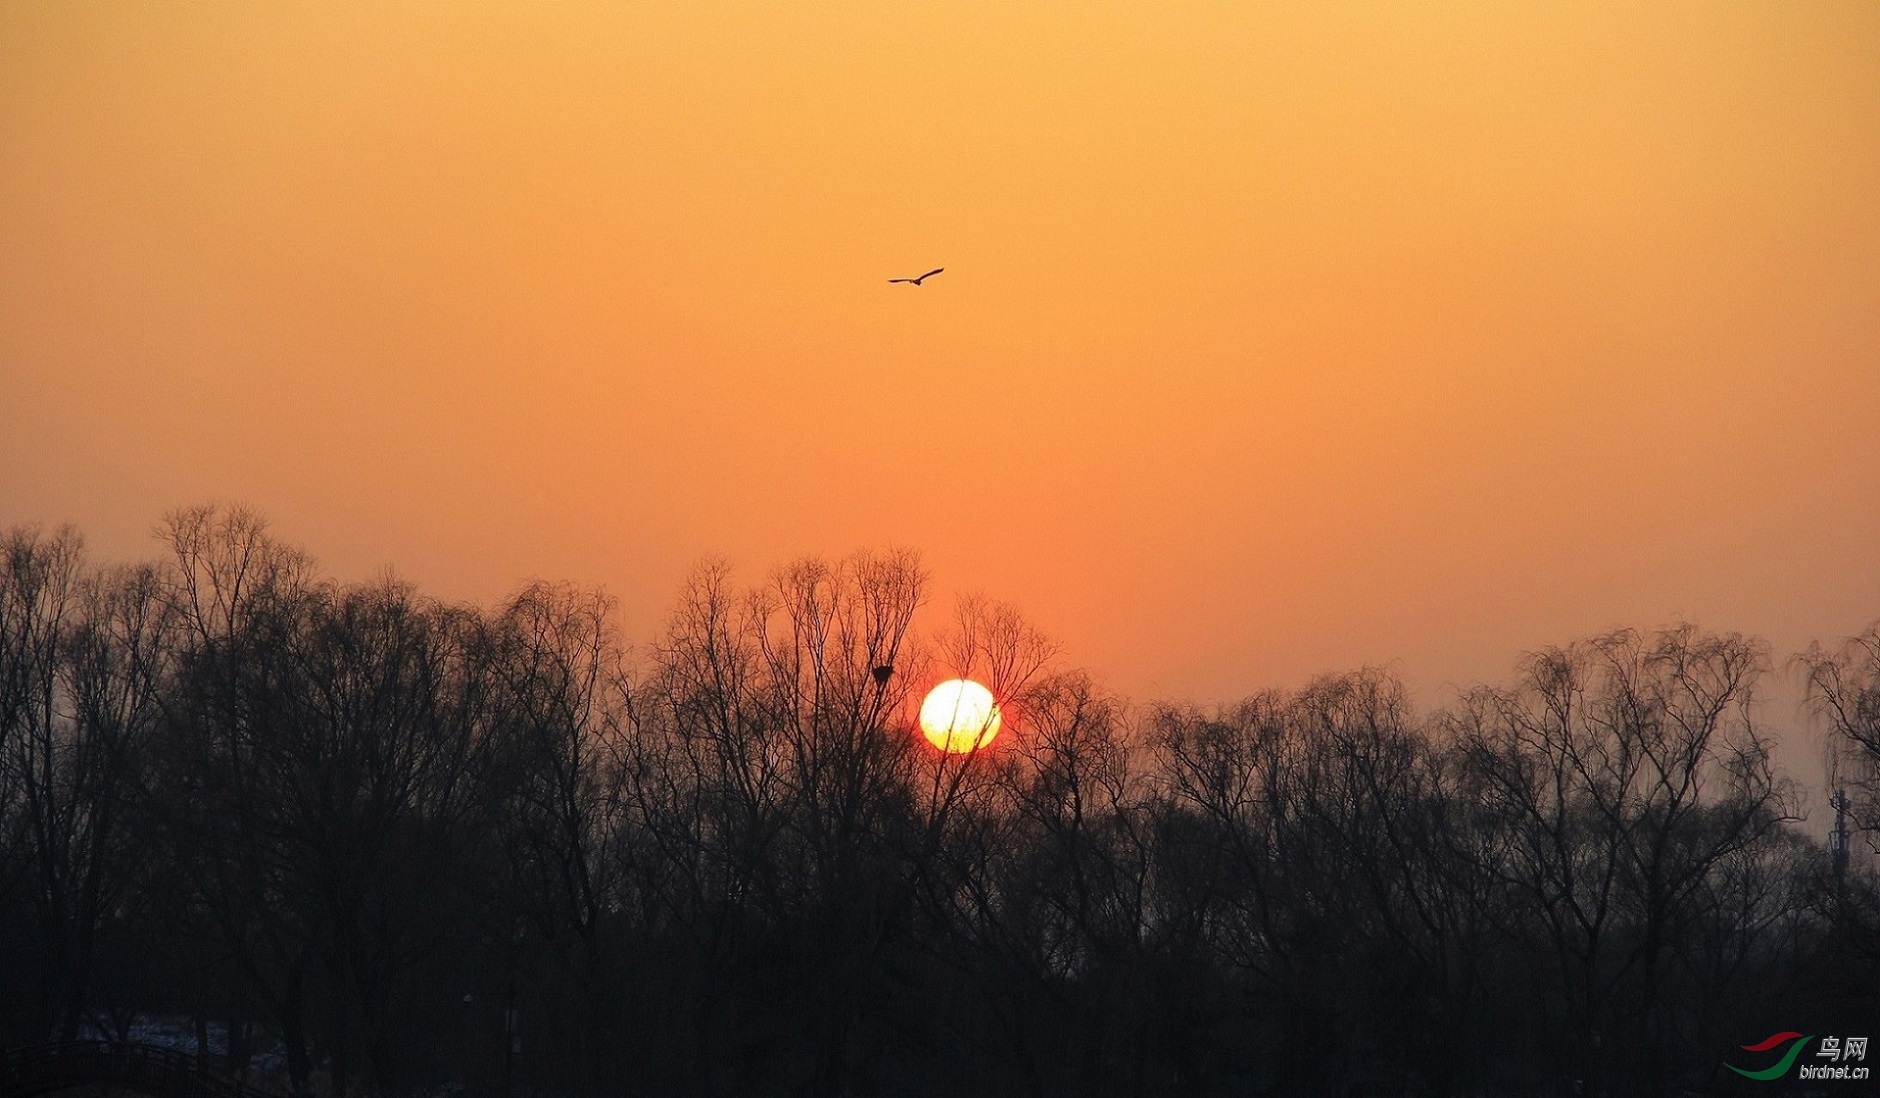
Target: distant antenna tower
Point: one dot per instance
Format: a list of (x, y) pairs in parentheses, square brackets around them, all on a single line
[(1837, 842)]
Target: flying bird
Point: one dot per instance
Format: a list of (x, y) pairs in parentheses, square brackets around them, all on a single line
[(922, 278)]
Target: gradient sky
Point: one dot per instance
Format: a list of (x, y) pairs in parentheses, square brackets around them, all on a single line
[(1273, 339)]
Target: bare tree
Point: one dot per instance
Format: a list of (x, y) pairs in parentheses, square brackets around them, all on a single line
[(236, 595), (788, 779), (1621, 771), (564, 697), (60, 806), (1309, 843), (1844, 686)]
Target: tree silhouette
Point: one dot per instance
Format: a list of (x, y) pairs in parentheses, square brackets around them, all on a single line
[(396, 846)]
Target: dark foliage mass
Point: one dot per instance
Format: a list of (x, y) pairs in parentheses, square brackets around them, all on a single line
[(398, 846)]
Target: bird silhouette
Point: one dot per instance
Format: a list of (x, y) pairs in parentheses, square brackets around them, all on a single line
[(922, 278)]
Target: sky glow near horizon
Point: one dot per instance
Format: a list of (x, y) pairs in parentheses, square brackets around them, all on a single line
[(1273, 339)]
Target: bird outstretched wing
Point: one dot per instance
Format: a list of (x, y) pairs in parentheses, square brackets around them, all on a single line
[(922, 278)]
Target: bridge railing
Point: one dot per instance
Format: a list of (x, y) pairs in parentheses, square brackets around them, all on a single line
[(148, 1069)]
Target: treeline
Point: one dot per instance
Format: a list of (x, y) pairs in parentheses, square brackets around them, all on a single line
[(405, 845)]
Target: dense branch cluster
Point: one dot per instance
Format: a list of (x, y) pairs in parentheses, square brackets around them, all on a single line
[(393, 845)]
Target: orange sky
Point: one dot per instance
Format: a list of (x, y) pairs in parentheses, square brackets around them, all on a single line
[(1273, 338)]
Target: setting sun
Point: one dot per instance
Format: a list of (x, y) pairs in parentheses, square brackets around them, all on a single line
[(959, 716)]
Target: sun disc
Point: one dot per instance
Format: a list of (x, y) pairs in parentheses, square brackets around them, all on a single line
[(959, 716)]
